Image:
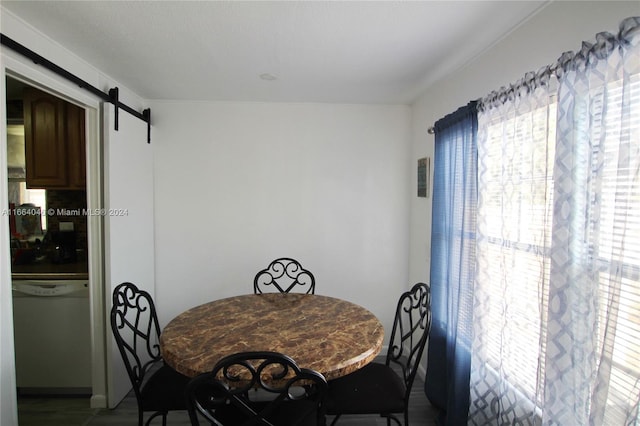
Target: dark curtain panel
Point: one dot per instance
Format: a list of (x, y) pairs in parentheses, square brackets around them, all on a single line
[(453, 264)]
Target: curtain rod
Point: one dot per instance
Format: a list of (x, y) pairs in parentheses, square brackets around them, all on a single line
[(111, 96), (604, 44)]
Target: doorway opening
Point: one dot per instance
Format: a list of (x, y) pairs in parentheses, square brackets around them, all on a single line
[(53, 164)]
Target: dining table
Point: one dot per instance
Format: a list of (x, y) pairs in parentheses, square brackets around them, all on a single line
[(332, 336)]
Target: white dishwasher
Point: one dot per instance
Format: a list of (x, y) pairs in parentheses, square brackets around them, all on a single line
[(52, 332)]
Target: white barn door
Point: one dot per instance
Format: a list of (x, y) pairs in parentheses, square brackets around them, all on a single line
[(129, 224)]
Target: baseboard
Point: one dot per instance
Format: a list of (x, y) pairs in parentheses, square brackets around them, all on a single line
[(98, 401)]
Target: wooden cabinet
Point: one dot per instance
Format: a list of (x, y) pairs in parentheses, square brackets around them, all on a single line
[(54, 133), (76, 157), (45, 151)]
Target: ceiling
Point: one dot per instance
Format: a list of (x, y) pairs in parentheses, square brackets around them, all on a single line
[(380, 52)]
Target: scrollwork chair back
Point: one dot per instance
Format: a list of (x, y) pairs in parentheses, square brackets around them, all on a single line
[(231, 393), (135, 327), (411, 327), (284, 275), (384, 389)]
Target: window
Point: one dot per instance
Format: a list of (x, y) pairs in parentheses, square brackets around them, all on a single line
[(614, 243), (516, 204), (18, 192)]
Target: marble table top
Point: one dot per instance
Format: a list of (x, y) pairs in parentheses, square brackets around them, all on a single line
[(331, 336)]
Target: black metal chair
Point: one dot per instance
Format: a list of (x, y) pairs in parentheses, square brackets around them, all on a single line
[(158, 388), (379, 388), (257, 388), (283, 275)]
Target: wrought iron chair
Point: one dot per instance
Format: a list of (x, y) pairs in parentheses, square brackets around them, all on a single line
[(378, 388), (257, 388), (283, 275), (134, 323)]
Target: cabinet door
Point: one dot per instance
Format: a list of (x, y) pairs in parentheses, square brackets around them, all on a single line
[(45, 151), (75, 139)]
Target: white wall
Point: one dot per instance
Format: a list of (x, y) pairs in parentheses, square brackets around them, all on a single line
[(559, 27), (239, 184)]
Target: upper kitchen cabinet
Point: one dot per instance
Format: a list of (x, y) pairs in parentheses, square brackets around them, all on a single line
[(54, 142), (76, 163)]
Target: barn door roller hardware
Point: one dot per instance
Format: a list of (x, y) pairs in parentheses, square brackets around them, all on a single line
[(145, 116), (111, 97)]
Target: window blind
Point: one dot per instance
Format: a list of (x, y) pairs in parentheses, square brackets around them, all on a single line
[(614, 239)]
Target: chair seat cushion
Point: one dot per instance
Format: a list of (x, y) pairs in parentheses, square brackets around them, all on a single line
[(164, 390), (298, 413), (303, 413), (373, 389)]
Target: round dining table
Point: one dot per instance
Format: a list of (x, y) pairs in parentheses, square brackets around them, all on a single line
[(331, 336)]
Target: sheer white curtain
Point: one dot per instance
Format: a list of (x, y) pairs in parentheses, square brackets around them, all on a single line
[(515, 188), (593, 356), (557, 290)]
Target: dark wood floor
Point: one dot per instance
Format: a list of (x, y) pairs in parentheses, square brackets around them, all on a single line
[(36, 411)]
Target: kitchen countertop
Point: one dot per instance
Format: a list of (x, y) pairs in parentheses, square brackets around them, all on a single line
[(50, 271)]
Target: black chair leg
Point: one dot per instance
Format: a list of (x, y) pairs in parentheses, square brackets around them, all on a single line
[(335, 419), (395, 419), (156, 414)]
